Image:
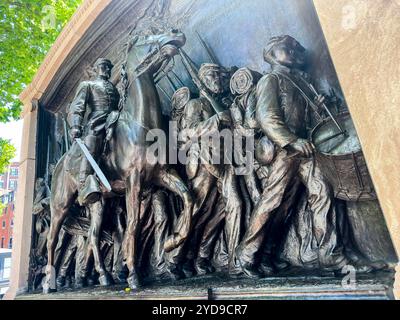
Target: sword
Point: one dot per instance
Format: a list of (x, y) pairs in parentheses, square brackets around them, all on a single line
[(94, 165)]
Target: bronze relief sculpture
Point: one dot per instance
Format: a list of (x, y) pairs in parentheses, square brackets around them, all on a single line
[(147, 219)]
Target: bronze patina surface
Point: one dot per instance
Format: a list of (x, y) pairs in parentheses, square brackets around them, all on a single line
[(293, 219)]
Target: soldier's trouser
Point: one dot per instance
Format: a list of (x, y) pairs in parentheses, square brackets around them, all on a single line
[(161, 229), (204, 193), (68, 257), (94, 143), (229, 212), (283, 172)]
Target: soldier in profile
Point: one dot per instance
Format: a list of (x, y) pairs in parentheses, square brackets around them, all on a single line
[(94, 102), (283, 115), (199, 117)]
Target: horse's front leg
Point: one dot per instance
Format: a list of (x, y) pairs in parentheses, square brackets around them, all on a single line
[(96, 218), (131, 232)]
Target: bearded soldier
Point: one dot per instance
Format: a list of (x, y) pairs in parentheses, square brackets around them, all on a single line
[(198, 119), (87, 117)]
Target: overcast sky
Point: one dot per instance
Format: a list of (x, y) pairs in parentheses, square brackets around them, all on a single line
[(13, 131)]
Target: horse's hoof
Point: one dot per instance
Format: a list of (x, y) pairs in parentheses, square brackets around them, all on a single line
[(105, 280), (133, 282)]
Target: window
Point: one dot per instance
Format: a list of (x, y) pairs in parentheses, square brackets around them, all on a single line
[(14, 172), (1, 184), (4, 224), (10, 243), (7, 268), (12, 223), (2, 243), (13, 184)]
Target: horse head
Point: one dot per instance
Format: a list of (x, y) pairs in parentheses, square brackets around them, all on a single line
[(151, 53)]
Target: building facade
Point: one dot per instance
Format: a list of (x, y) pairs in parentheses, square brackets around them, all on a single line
[(9, 179), (8, 187)]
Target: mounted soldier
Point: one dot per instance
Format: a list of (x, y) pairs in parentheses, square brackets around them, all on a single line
[(92, 106)]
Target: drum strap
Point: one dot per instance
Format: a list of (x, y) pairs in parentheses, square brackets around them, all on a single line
[(305, 96)]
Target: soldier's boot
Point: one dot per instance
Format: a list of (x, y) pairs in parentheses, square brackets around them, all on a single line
[(203, 266), (89, 190), (61, 281), (175, 272), (80, 282), (188, 268)]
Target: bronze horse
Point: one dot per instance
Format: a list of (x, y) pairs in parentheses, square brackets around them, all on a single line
[(127, 164)]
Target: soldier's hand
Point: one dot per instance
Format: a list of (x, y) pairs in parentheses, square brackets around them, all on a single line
[(304, 147), (169, 51), (225, 117), (319, 101), (75, 133)]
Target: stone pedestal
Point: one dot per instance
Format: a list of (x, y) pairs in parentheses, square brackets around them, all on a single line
[(23, 209), (372, 287), (364, 42)]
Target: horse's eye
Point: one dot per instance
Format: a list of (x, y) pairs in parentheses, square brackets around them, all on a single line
[(174, 30)]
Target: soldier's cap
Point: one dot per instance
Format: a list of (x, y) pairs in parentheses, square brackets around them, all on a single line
[(274, 41), (103, 61), (206, 67)]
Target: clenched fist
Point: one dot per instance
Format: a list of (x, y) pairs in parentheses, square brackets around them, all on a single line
[(75, 133), (304, 147)]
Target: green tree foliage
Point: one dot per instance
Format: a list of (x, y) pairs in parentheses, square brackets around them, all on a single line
[(7, 152), (28, 28)]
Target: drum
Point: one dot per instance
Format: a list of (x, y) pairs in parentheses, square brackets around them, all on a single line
[(342, 160)]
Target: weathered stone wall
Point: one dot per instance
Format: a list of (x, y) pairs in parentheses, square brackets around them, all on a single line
[(364, 43)]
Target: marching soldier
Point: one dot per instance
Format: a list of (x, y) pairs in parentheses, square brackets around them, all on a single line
[(283, 115), (213, 204)]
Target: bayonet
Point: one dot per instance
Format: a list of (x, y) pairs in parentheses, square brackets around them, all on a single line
[(94, 165), (66, 139), (178, 79), (191, 68), (171, 83), (164, 92), (46, 176), (209, 51)]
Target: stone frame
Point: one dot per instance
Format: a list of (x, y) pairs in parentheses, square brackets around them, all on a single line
[(374, 132)]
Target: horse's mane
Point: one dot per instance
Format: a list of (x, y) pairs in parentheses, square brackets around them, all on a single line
[(148, 28)]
